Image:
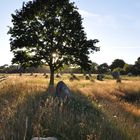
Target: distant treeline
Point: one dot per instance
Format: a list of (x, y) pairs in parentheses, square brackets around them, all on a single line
[(17, 69), (117, 65)]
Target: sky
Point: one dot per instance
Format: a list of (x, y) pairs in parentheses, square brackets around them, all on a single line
[(115, 23)]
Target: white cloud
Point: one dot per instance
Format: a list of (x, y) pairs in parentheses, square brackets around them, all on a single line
[(100, 20), (87, 14)]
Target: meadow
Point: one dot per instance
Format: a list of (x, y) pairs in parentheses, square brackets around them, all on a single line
[(97, 110)]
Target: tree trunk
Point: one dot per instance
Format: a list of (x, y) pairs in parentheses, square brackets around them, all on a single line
[(51, 88), (51, 77)]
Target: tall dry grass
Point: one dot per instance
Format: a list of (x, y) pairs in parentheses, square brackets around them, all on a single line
[(98, 110)]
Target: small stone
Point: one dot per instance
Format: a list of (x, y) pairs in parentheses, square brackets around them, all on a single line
[(118, 80), (20, 74), (87, 77), (75, 77), (31, 74), (71, 79), (129, 74), (44, 74), (100, 77), (58, 76)]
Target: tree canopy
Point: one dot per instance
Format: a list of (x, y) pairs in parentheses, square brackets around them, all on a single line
[(50, 32), (136, 67), (103, 68), (117, 63)]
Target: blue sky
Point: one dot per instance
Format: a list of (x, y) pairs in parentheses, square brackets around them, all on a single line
[(116, 23)]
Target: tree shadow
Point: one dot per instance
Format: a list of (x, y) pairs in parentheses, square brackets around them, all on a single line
[(76, 118), (104, 128)]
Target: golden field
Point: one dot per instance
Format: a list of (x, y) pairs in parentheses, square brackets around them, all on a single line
[(98, 110)]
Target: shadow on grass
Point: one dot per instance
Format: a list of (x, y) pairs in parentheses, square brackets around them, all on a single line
[(131, 97), (75, 118)]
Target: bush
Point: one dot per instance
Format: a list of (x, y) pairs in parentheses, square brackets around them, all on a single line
[(120, 70)]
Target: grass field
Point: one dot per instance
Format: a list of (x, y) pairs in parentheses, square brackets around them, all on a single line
[(97, 110)]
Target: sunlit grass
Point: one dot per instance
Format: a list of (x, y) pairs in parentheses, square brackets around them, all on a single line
[(100, 110)]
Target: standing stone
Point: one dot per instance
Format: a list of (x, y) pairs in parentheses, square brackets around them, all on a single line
[(44, 74), (100, 77), (31, 74), (71, 79), (116, 75), (87, 77), (58, 76), (62, 90), (129, 74), (74, 77), (20, 74), (118, 80), (90, 75)]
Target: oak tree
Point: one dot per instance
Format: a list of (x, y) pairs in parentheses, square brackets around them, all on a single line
[(50, 32)]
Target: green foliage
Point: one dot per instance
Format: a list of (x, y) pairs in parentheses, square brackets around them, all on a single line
[(120, 70), (94, 67), (42, 29), (128, 68), (136, 67), (117, 63), (103, 68)]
